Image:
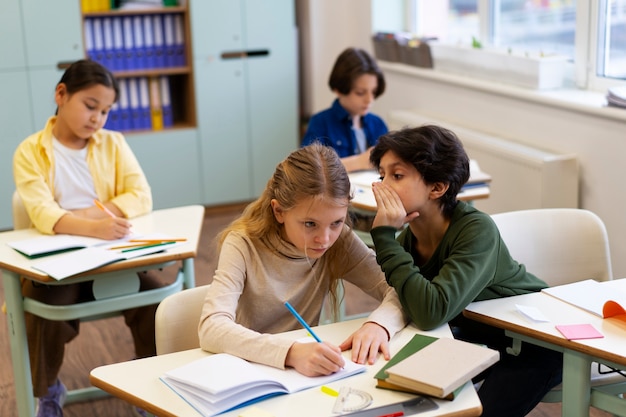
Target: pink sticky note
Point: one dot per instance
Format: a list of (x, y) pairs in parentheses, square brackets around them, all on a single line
[(579, 331)]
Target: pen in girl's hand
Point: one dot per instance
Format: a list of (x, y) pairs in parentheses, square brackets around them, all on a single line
[(103, 208), (302, 322)]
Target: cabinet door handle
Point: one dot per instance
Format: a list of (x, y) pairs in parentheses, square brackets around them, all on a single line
[(245, 54), (63, 65)]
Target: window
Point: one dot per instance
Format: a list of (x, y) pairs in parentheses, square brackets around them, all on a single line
[(542, 26), (611, 57), (591, 33)]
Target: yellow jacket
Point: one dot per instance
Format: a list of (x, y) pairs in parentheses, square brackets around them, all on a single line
[(117, 176)]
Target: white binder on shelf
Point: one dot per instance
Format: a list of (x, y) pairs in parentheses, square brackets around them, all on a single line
[(89, 45), (98, 41), (159, 41), (166, 102), (179, 41), (129, 45), (156, 109), (107, 37), (133, 100), (139, 50), (148, 41), (144, 104), (119, 63), (169, 40), (124, 110)]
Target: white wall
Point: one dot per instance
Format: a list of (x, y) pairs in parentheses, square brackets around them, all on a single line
[(326, 28), (597, 135)]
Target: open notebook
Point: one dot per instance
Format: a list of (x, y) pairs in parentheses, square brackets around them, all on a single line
[(221, 382), (63, 255), (592, 296)]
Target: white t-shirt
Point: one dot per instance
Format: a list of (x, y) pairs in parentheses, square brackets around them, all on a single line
[(361, 140), (73, 183)]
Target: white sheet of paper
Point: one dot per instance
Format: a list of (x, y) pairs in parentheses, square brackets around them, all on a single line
[(533, 313)]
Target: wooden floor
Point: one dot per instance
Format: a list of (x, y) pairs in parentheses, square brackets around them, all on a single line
[(109, 341)]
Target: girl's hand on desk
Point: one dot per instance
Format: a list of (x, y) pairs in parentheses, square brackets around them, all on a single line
[(390, 209), (366, 342), (314, 359)]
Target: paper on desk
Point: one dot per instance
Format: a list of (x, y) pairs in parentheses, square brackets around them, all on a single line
[(532, 313), (579, 331), (72, 263)]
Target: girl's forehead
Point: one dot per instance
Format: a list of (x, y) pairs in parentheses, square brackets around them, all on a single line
[(98, 92), (316, 205)]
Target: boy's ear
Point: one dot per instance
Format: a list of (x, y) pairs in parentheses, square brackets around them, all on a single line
[(278, 211), (438, 189)]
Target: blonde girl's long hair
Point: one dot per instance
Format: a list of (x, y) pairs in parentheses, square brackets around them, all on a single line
[(311, 171)]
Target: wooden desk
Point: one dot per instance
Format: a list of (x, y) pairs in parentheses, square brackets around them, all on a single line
[(180, 222), (138, 382), (578, 395)]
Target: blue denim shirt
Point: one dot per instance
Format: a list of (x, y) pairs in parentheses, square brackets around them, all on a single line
[(333, 127)]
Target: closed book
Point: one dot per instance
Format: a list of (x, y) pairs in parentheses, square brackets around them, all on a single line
[(442, 367), (416, 343)]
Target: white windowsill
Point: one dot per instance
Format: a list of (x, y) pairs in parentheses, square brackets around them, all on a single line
[(572, 99)]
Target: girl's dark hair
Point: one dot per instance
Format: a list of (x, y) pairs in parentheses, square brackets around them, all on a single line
[(436, 153), (351, 64), (85, 73)]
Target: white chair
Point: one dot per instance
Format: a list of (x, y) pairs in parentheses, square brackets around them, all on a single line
[(561, 245), (176, 320)]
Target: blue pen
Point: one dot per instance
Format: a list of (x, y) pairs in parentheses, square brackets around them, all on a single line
[(301, 320)]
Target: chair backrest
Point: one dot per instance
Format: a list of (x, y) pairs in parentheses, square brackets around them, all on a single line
[(558, 245), (177, 318), (21, 220)]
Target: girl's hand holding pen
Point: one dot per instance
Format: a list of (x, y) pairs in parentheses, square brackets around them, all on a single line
[(315, 359), (111, 226)]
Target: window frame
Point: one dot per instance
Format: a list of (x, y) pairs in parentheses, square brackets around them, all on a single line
[(582, 72)]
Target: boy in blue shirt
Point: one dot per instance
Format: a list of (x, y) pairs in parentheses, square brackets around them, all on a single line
[(348, 126)]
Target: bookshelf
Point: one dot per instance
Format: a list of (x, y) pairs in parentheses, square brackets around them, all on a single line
[(234, 110), (149, 52)]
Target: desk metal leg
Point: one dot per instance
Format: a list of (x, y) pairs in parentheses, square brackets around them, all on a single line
[(576, 384), (18, 344), (189, 279)]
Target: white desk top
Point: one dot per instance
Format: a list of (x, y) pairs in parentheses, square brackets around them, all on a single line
[(138, 382), (503, 313), (184, 222)]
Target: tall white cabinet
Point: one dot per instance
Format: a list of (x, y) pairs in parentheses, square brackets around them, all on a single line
[(244, 56), (35, 37), (245, 64)]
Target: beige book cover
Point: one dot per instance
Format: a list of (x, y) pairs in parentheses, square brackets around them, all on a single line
[(441, 367)]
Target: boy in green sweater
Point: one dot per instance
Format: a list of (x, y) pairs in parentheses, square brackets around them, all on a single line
[(451, 255)]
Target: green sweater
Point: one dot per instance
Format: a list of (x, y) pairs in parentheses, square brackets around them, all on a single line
[(471, 263)]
